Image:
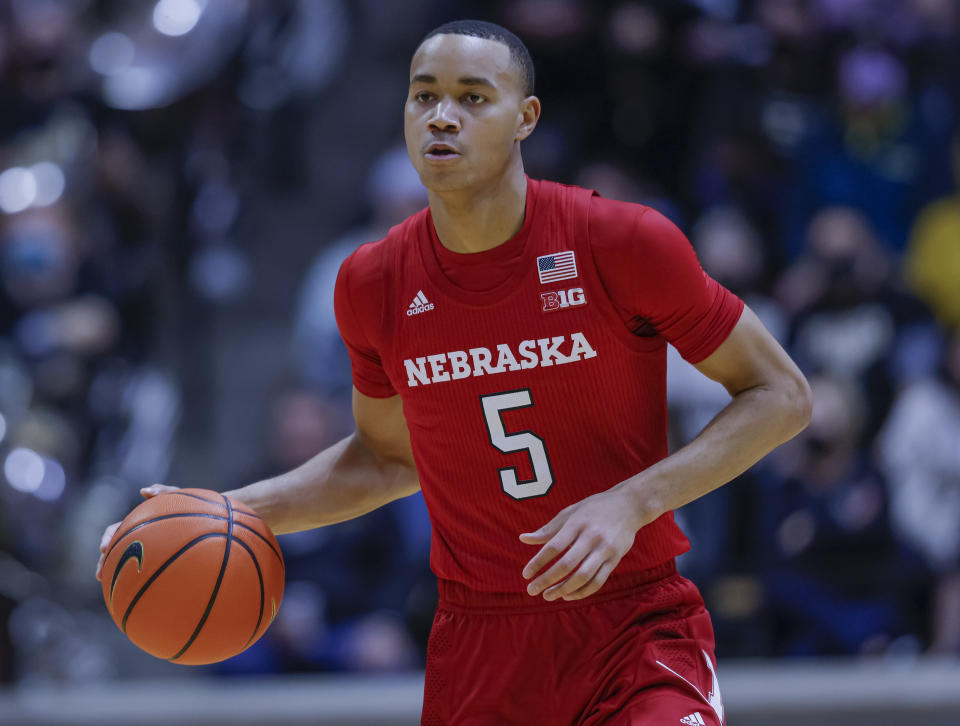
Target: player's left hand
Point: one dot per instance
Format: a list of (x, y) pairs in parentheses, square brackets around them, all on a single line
[(594, 534)]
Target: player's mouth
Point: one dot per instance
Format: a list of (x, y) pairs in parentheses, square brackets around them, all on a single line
[(442, 152)]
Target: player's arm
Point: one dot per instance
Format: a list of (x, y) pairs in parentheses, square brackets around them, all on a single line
[(366, 470), (650, 270), (771, 404)]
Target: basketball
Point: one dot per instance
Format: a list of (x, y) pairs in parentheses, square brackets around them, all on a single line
[(193, 577)]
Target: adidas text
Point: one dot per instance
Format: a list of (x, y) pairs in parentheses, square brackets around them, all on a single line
[(420, 304)]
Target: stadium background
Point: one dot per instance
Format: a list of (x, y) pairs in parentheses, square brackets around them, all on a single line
[(180, 179)]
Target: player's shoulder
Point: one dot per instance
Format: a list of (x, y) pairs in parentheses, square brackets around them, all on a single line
[(553, 193), (614, 222), (367, 265), (624, 233), (616, 209)]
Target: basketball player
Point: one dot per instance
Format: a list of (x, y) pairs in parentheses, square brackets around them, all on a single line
[(508, 347)]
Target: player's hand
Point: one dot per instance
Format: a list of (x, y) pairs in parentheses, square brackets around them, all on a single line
[(594, 534), (146, 493)]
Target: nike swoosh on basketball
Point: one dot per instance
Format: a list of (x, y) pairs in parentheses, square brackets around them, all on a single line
[(134, 551)]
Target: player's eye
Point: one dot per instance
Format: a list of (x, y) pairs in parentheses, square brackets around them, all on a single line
[(474, 98), (423, 96)]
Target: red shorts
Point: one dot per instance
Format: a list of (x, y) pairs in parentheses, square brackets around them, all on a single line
[(640, 656)]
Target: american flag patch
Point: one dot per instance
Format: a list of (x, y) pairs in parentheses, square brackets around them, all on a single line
[(558, 266)]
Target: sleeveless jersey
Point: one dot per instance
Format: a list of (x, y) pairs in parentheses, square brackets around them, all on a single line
[(521, 399)]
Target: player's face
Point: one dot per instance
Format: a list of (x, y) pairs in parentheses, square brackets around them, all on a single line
[(465, 113)]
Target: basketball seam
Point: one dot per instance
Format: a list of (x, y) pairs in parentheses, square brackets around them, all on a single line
[(159, 571), (119, 537), (265, 540), (211, 501), (216, 587), (262, 593)]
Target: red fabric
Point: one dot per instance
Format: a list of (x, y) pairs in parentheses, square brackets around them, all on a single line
[(358, 287), (596, 392), (652, 275), (484, 270), (639, 659), (646, 264)]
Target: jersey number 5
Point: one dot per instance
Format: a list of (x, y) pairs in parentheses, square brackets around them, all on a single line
[(494, 405)]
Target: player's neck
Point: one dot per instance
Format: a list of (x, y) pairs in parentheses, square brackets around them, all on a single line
[(477, 220)]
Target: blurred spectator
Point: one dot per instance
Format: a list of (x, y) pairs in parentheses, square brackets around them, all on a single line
[(932, 261), (393, 192), (842, 266), (731, 249), (850, 318), (918, 449), (834, 575), (870, 154)]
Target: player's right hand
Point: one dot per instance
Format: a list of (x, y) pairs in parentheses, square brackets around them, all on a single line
[(146, 492)]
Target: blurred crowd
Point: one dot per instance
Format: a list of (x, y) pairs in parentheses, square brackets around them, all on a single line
[(180, 180)]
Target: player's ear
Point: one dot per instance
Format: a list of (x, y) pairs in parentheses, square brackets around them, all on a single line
[(527, 117)]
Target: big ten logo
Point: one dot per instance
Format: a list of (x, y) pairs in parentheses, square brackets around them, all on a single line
[(562, 299)]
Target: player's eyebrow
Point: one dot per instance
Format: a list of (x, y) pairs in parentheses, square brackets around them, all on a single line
[(465, 81), (475, 81)]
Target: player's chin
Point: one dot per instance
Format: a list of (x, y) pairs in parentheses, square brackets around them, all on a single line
[(438, 179)]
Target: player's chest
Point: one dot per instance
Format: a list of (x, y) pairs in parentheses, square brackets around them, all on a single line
[(534, 332)]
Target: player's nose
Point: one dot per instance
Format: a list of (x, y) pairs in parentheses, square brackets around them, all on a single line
[(445, 116)]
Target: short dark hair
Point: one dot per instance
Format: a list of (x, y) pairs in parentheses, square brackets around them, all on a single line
[(491, 31)]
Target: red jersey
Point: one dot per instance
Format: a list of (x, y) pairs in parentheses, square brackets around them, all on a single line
[(532, 375)]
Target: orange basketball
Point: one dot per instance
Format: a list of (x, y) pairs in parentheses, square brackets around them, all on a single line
[(193, 576)]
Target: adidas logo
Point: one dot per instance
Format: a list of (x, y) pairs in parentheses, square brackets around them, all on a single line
[(420, 304), (694, 719)]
